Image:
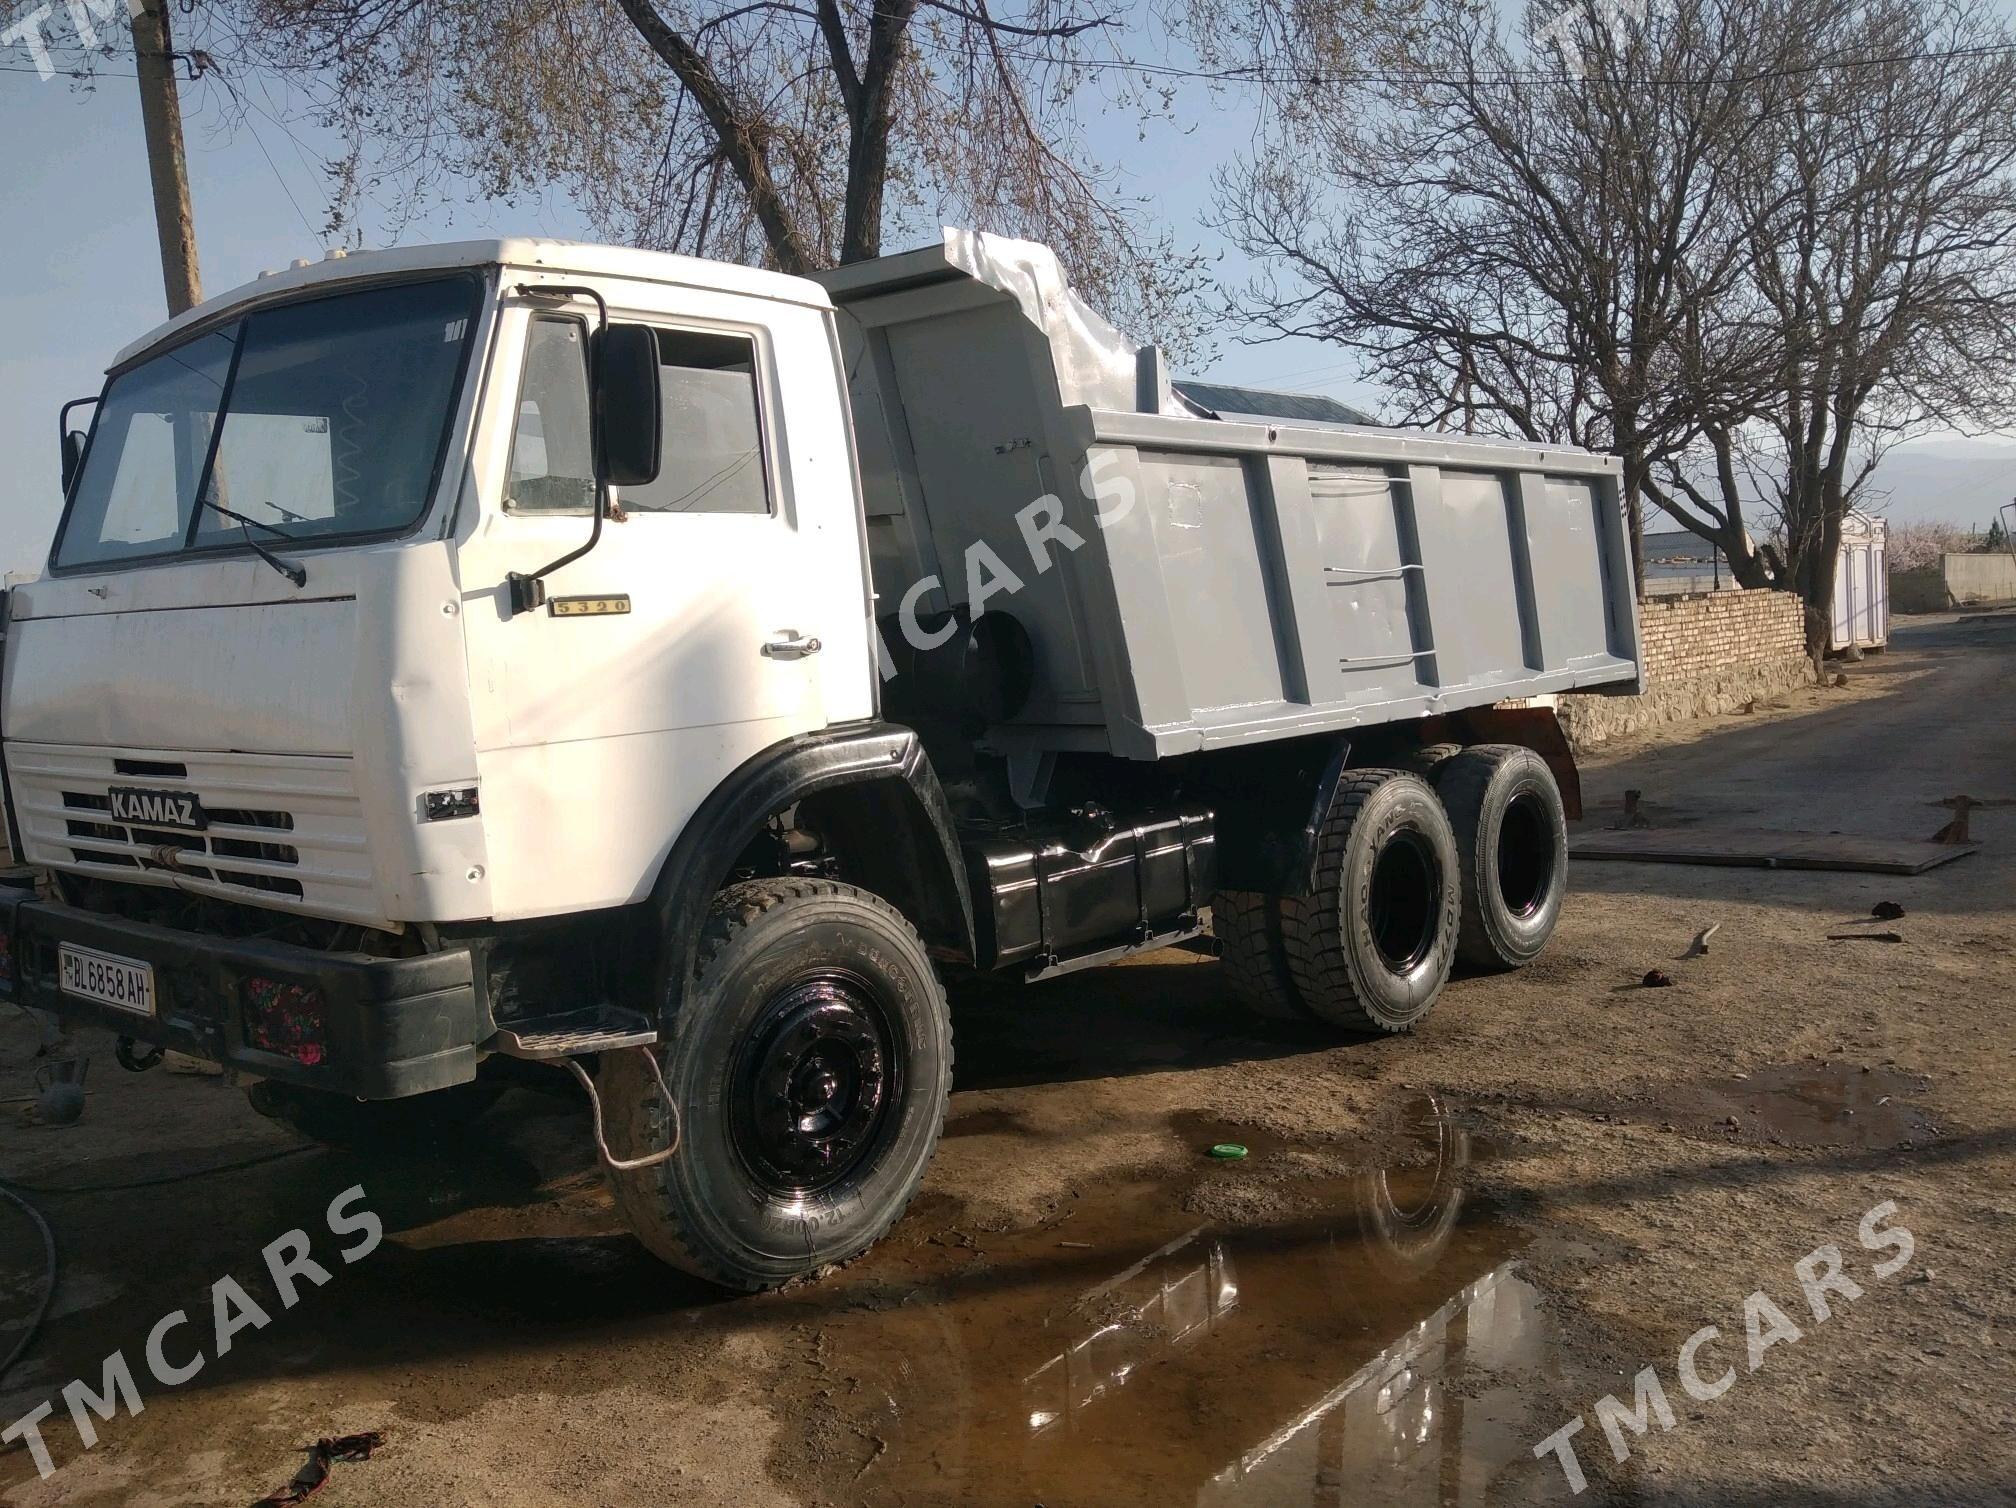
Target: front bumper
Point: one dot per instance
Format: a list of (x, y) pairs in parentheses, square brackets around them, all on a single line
[(388, 1027)]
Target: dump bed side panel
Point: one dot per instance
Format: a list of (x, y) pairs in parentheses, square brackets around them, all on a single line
[(1298, 580), (1189, 582)]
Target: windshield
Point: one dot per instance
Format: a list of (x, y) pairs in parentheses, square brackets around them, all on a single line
[(320, 418)]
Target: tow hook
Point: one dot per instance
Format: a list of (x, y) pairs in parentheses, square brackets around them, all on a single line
[(134, 1061)]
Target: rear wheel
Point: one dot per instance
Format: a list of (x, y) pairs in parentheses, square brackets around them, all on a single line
[(1512, 842), (1427, 761), (1371, 946), (1247, 924), (810, 1058)]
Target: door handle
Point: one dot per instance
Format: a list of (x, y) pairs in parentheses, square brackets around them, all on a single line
[(792, 646)]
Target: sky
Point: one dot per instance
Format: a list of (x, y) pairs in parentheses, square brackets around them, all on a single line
[(80, 270)]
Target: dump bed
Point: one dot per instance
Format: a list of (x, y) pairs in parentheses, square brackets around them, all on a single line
[(1230, 581)]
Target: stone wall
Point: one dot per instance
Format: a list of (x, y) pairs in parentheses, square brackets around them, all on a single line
[(1707, 653), (1956, 581)]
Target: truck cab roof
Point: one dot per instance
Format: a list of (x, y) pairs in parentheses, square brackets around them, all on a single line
[(580, 257)]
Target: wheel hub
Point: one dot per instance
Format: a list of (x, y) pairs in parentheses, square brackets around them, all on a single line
[(1406, 901), (1526, 856), (812, 1085)]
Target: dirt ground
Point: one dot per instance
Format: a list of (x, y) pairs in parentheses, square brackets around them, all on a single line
[(1437, 1252)]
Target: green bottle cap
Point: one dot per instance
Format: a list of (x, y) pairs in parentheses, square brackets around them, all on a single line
[(1228, 1151)]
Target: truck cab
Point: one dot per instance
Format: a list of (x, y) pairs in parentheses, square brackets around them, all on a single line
[(487, 652), (396, 745)]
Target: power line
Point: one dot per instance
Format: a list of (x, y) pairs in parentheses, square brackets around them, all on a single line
[(1261, 74), (278, 178), (67, 73), (1255, 73)]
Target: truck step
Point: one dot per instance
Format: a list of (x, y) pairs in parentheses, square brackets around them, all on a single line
[(568, 1034)]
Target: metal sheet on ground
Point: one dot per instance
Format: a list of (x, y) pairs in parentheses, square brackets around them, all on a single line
[(1768, 850)]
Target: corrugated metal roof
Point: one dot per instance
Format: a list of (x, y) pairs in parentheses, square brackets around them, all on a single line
[(1224, 399), (1677, 544)]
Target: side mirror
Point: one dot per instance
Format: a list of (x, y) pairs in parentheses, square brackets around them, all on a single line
[(630, 420), (72, 439), (73, 457)]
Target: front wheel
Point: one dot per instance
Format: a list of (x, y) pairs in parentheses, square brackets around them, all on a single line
[(810, 1057)]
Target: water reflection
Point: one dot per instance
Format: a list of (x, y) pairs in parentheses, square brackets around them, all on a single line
[(1368, 1351)]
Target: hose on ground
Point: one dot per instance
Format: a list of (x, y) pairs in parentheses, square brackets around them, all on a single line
[(55, 1190), (48, 1285)]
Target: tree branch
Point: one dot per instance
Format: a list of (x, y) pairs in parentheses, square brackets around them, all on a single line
[(742, 140)]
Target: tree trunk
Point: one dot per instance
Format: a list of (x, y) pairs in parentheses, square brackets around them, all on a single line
[(1747, 568), (868, 139), (741, 138), (1634, 516), (1816, 577)]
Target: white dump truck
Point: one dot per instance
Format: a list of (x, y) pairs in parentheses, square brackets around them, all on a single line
[(519, 650)]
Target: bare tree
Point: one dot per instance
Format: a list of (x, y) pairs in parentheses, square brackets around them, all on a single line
[(1883, 262), (1746, 244), (790, 133), (1530, 241), (796, 134)]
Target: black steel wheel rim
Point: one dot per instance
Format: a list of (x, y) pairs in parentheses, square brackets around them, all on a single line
[(1405, 904), (1526, 855), (814, 1085)]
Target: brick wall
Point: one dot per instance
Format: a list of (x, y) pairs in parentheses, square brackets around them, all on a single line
[(1686, 637), (1704, 654)]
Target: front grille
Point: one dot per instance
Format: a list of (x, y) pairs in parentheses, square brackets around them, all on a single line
[(272, 884), (282, 829), (245, 816), (93, 856), (155, 839), (245, 848), (154, 769)]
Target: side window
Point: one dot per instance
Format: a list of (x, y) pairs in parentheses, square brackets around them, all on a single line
[(552, 466), (713, 455)]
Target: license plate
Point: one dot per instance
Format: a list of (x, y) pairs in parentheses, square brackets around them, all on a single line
[(147, 808), (122, 983)]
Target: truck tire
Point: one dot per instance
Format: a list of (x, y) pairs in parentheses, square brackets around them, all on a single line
[(1370, 947), (809, 1059), (1247, 925), (1512, 843), (1427, 761), (416, 1124)]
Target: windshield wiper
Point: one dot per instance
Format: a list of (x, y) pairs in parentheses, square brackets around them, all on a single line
[(294, 573)]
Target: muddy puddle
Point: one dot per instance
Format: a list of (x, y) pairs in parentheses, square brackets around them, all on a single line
[(1366, 1341), (1817, 1103)]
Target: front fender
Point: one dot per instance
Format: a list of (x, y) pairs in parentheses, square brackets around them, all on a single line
[(886, 763)]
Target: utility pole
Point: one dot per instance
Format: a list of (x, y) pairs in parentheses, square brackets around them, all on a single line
[(161, 119)]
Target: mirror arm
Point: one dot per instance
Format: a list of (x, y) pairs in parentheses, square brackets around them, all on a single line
[(528, 592)]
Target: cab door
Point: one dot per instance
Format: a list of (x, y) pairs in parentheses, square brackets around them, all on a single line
[(688, 640)]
